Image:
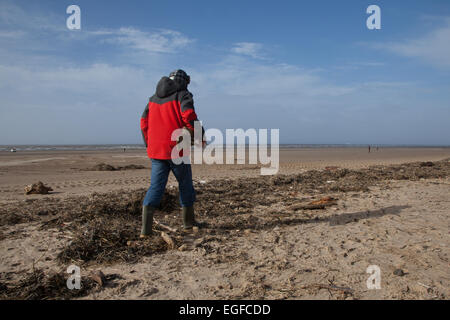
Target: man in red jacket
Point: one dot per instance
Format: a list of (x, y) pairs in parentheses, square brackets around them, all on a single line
[(170, 108)]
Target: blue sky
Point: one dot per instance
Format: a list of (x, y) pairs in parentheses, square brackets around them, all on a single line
[(310, 68)]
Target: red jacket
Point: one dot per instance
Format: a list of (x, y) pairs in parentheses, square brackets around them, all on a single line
[(170, 108)]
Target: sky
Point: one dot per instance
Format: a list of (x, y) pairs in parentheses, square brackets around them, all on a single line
[(311, 69)]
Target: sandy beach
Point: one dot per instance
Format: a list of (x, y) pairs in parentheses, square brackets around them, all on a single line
[(309, 232)]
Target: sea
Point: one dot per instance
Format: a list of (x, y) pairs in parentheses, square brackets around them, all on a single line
[(74, 147), (99, 147)]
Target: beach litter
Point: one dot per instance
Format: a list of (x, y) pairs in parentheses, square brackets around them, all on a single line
[(105, 227), (399, 272), (316, 204), (326, 201), (427, 164), (108, 167), (37, 188)]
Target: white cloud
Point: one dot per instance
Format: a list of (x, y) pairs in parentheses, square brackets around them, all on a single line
[(251, 49), (162, 41), (18, 24), (96, 103), (434, 48), (240, 76)]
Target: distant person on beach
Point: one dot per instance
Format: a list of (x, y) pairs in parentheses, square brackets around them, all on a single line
[(170, 108), (369, 148)]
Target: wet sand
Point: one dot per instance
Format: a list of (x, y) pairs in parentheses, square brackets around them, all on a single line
[(262, 242)]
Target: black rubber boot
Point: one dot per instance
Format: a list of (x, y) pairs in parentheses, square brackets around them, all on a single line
[(188, 217), (147, 221)]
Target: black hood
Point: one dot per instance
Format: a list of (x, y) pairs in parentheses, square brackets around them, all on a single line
[(166, 87)]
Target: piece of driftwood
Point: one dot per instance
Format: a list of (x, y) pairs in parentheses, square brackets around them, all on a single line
[(168, 240), (159, 224), (326, 201)]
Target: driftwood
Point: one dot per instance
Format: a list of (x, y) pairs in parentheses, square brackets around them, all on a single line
[(326, 201), (168, 240), (159, 224)]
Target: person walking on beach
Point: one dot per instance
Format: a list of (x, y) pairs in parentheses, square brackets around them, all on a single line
[(170, 108)]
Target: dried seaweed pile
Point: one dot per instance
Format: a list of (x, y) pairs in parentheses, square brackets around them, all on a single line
[(103, 225), (346, 180), (110, 221), (107, 240), (40, 286), (104, 228), (242, 195), (108, 167)]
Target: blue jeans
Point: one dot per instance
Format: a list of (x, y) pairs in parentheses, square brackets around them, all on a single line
[(160, 174)]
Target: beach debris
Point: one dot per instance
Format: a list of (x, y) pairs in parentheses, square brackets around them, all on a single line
[(161, 225), (107, 167), (37, 188), (99, 277), (331, 168), (39, 285), (328, 201), (103, 167), (131, 167), (399, 272), (424, 285), (102, 223), (136, 243), (167, 239), (427, 164), (316, 204)]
